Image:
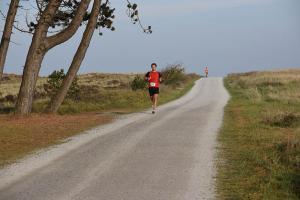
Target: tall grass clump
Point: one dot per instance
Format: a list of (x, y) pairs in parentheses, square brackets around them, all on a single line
[(174, 74)]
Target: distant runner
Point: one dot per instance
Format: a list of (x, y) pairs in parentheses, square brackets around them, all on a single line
[(154, 78), (206, 72)]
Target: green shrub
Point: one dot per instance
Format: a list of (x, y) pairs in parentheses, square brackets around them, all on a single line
[(173, 74), (54, 82), (138, 83)]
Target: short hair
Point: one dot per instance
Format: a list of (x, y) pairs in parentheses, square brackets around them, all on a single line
[(154, 64)]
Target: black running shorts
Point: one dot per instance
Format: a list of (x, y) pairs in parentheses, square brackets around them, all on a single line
[(153, 90)]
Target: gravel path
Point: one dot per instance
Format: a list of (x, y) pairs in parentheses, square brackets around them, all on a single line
[(166, 156)]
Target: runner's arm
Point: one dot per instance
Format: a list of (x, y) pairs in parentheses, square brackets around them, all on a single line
[(160, 77), (147, 76)]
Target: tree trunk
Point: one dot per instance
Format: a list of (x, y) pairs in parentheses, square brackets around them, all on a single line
[(29, 78), (10, 18), (34, 59), (77, 59), (39, 46)]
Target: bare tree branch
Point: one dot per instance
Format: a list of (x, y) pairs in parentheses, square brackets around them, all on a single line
[(133, 13), (22, 30), (4, 17), (39, 6)]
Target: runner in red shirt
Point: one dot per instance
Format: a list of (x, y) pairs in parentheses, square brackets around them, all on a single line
[(206, 72), (154, 78)]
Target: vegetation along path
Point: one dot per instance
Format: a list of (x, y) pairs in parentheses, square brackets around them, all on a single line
[(260, 139)]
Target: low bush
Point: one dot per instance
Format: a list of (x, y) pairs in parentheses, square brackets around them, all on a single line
[(173, 74), (138, 83), (54, 82)]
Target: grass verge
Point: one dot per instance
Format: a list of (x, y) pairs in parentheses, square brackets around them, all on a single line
[(259, 152), (22, 135), (125, 100)]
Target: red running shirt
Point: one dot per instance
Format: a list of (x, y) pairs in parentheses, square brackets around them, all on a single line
[(153, 79)]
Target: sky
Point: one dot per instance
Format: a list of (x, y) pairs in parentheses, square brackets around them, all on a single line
[(228, 36)]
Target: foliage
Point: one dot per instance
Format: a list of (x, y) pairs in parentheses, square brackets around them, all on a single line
[(138, 83), (54, 82), (67, 11), (173, 74)]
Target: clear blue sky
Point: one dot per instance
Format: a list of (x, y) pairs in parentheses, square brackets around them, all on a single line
[(227, 35)]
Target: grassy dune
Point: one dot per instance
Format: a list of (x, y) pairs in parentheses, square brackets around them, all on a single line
[(98, 93), (89, 83), (259, 153), (11, 83)]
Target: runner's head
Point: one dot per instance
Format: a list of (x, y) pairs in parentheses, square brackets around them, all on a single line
[(153, 66)]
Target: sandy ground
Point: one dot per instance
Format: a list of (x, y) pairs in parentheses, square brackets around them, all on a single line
[(167, 156)]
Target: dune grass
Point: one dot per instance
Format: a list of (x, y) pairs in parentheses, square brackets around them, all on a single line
[(259, 152), (125, 100)]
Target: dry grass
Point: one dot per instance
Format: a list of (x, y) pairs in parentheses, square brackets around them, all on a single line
[(11, 83), (22, 135), (97, 92), (281, 119), (274, 85), (272, 77), (260, 139), (105, 80), (89, 83)]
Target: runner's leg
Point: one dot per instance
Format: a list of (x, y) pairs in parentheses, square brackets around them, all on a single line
[(152, 101), (155, 97)]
